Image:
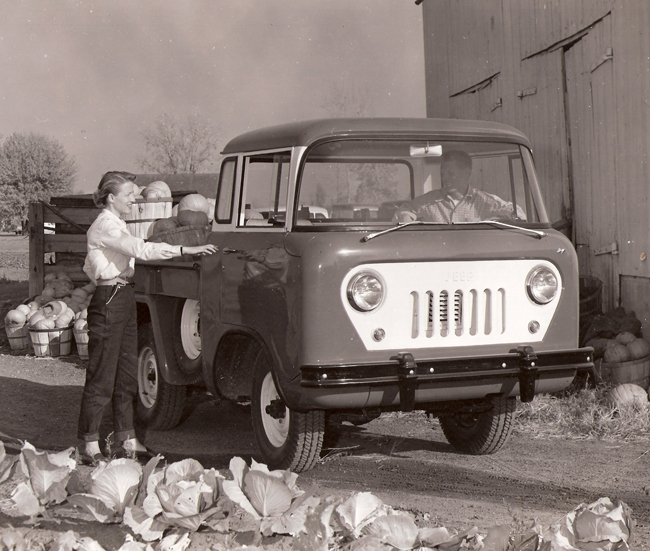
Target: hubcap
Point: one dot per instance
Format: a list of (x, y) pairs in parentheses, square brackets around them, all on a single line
[(147, 377), (276, 426), (190, 334)]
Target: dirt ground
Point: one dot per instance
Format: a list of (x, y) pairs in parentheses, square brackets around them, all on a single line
[(402, 458)]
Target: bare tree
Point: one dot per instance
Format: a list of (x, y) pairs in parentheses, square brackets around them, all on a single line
[(174, 146), (32, 167), (348, 100)]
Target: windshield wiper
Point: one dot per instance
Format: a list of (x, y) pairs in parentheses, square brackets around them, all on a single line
[(394, 228), (535, 233)]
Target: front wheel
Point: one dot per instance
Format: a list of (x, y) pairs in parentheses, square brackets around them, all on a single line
[(481, 433), (287, 439), (160, 405)]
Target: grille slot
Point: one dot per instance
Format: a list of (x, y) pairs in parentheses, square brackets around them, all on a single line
[(459, 313)]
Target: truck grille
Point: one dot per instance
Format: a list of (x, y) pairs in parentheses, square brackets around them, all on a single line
[(452, 304), (460, 313)]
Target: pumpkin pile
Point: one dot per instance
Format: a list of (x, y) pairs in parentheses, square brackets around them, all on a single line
[(616, 337), (59, 306)]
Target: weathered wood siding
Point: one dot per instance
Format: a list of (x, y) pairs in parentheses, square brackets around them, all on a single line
[(574, 75)]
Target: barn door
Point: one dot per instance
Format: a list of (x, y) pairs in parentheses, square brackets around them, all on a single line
[(591, 133)]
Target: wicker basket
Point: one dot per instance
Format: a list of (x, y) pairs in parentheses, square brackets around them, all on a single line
[(144, 213), (18, 337), (81, 339), (187, 236), (51, 342)]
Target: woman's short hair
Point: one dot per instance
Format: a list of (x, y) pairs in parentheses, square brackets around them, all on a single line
[(110, 183)]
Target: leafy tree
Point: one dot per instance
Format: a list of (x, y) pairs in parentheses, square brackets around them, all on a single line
[(174, 146), (33, 167)]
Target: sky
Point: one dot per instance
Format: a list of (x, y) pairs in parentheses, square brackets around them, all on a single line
[(95, 74)]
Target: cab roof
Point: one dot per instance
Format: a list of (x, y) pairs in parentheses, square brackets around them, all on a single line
[(306, 133)]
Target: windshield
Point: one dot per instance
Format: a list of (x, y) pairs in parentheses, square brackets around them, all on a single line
[(379, 182)]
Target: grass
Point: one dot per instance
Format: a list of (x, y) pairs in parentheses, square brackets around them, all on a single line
[(584, 415)]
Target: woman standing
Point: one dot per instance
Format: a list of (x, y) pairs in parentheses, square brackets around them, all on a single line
[(111, 375)]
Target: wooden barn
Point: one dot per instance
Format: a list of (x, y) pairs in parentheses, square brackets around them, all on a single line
[(574, 75)]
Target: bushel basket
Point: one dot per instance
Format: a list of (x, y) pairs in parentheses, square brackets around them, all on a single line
[(51, 342), (186, 236), (18, 337)]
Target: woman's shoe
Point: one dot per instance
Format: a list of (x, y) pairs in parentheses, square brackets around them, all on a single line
[(139, 455), (90, 460)]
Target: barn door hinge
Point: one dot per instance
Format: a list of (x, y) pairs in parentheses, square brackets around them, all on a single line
[(612, 248), (527, 92), (609, 54)]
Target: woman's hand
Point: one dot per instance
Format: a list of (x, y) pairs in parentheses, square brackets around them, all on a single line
[(201, 250)]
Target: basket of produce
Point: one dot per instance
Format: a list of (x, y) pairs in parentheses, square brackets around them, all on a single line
[(152, 202), (18, 336), (190, 227), (80, 332), (51, 342)]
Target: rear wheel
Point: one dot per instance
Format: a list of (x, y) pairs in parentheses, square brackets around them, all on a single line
[(187, 347), (287, 439), (160, 405), (481, 433)]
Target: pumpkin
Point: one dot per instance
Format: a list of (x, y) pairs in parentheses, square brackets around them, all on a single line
[(38, 316), (164, 224), (48, 293), (15, 318), (194, 201), (34, 305), (54, 308), (49, 277), (79, 294), (639, 348), (45, 323), (81, 324), (89, 288), (192, 218), (160, 187), (151, 194), (58, 288), (599, 345), (23, 308), (625, 337), (64, 319), (617, 353), (627, 394), (63, 275)]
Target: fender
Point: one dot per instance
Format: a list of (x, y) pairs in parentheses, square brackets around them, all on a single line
[(161, 314)]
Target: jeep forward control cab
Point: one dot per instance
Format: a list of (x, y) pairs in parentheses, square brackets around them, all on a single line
[(324, 300)]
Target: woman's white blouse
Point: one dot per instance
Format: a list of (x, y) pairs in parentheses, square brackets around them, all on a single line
[(112, 249)]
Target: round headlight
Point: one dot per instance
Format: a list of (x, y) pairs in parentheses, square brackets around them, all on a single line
[(365, 292), (542, 285)]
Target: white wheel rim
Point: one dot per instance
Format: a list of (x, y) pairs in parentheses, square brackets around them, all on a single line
[(147, 377), (190, 332), (276, 430)]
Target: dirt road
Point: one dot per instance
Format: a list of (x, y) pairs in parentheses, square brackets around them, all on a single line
[(402, 458)]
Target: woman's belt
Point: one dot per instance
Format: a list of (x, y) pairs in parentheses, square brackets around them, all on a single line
[(115, 281)]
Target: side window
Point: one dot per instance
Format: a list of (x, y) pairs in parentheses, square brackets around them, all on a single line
[(266, 181), (225, 191)]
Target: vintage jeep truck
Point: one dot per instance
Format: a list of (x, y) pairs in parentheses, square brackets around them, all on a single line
[(308, 315), (314, 312)]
